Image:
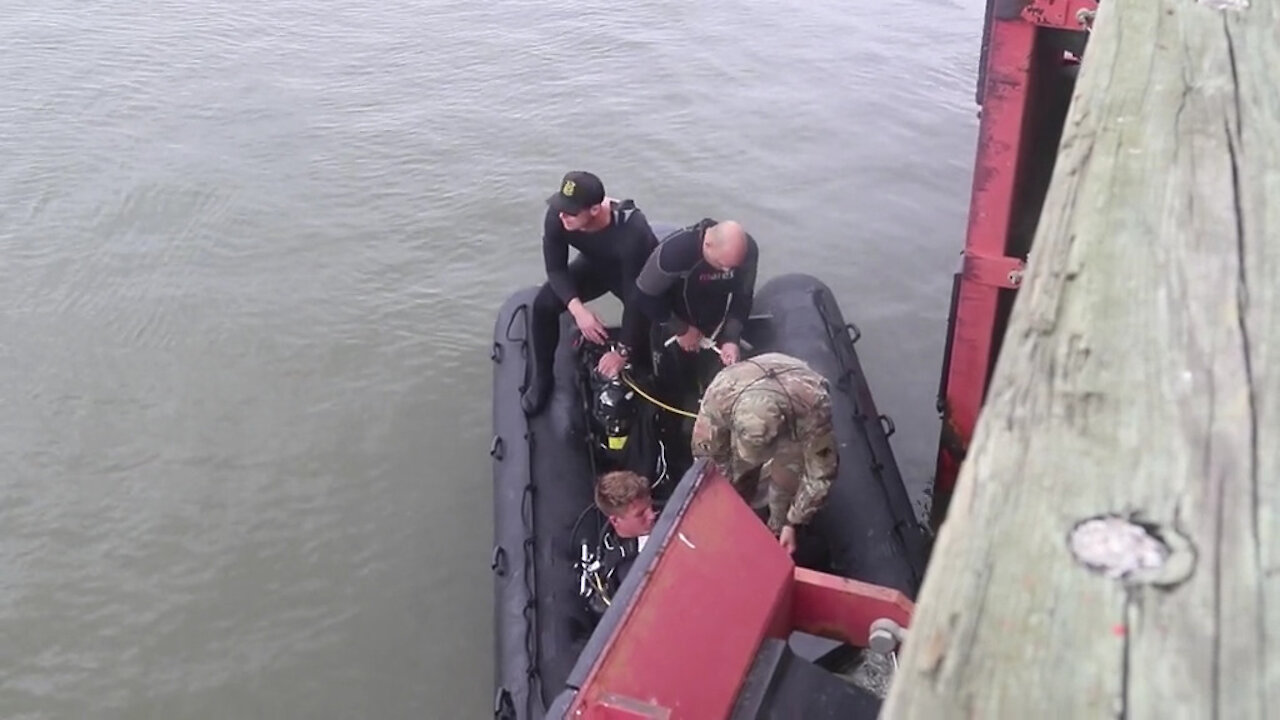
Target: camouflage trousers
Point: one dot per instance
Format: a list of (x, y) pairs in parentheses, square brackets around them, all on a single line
[(776, 484)]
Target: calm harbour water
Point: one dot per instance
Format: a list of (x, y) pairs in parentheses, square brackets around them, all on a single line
[(250, 256)]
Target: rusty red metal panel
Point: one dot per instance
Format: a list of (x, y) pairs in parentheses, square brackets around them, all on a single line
[(718, 586), (842, 609), (1000, 144), (1063, 14)]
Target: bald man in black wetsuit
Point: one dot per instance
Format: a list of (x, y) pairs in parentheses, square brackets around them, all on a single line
[(700, 282), (613, 240)]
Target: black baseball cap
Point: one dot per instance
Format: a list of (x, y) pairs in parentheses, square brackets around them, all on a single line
[(578, 191)]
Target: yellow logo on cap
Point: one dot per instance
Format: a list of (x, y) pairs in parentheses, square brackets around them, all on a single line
[(568, 188)]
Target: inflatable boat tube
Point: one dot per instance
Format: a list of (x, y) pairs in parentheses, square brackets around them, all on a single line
[(543, 481)]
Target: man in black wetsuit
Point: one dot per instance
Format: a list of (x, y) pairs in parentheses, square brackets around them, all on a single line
[(625, 499), (700, 282), (613, 240)]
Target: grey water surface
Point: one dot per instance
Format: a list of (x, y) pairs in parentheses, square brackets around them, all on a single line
[(250, 257)]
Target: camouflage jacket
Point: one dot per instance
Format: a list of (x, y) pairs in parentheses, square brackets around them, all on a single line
[(766, 407)]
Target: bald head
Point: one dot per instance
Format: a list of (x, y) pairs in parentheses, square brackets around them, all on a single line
[(724, 245)]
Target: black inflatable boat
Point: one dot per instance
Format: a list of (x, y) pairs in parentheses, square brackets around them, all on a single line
[(545, 521)]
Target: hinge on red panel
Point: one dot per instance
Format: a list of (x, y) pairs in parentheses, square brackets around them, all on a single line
[(998, 271)]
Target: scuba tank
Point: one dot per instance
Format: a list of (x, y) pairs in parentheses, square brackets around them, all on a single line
[(613, 407)]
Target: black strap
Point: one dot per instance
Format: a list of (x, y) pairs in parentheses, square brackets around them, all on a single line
[(623, 211)]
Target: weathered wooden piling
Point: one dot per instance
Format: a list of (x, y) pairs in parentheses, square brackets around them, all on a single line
[(1113, 548)]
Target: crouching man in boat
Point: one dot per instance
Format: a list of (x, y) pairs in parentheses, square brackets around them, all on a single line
[(613, 240), (624, 498), (766, 422), (699, 282)]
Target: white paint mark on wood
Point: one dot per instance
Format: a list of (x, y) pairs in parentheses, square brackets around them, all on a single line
[(1116, 547)]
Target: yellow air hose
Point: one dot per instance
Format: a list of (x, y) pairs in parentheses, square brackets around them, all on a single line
[(631, 384)]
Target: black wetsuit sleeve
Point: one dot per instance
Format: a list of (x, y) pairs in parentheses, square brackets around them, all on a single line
[(640, 242), (555, 256), (668, 265), (743, 295)]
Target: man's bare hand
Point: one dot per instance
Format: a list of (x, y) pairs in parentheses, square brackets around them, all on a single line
[(590, 325), (729, 353), (611, 364), (787, 538), (689, 339)]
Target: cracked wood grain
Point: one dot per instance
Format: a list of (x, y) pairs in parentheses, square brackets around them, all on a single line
[(1140, 377)]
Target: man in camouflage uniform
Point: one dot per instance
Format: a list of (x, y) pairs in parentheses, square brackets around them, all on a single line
[(766, 422)]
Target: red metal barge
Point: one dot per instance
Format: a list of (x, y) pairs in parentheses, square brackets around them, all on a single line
[(1030, 52)]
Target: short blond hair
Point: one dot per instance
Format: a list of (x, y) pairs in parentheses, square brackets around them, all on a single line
[(618, 489)]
